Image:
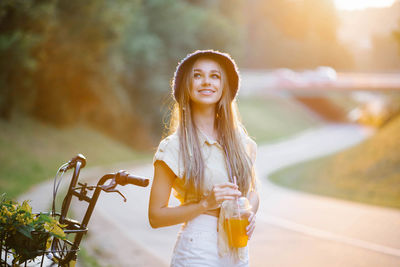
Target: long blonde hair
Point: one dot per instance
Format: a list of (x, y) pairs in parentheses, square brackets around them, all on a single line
[(227, 124)]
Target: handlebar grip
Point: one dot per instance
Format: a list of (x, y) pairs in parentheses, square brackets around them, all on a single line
[(124, 178), (137, 180), (81, 158)]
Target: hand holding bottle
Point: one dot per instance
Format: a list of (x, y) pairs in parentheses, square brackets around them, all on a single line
[(220, 193)]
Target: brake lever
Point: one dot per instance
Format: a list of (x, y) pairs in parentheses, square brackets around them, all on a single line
[(117, 191), (111, 189)]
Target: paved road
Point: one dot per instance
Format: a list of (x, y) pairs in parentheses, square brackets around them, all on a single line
[(293, 228)]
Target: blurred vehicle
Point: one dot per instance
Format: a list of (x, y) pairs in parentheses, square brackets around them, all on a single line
[(288, 78), (326, 73), (321, 76)]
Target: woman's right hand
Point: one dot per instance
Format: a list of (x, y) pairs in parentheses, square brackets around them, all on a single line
[(220, 193)]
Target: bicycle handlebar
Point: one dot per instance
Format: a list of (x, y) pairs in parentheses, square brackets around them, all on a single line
[(72, 163), (65, 252), (123, 178)]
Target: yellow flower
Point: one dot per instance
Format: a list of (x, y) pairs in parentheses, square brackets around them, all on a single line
[(25, 207), (3, 211), (54, 229), (20, 218), (8, 213)]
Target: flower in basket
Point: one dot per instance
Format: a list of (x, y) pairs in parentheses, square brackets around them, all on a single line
[(26, 234)]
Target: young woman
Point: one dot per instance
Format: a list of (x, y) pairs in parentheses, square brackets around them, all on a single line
[(207, 158)]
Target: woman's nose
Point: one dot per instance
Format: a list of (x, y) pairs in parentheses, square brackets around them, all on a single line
[(206, 81)]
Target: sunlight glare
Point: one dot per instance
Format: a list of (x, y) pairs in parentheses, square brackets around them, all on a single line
[(362, 4)]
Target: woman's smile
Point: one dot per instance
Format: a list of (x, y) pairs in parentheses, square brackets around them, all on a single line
[(206, 92)]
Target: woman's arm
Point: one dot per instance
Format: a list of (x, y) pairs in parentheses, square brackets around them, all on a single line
[(254, 202), (161, 215)]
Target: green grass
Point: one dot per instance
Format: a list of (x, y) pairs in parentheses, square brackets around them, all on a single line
[(367, 173), (32, 151), (86, 259), (271, 119)]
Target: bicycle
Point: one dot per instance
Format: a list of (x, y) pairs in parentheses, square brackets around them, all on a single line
[(63, 252)]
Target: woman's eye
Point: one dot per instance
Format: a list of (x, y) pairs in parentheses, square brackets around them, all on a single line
[(196, 75), (215, 76)]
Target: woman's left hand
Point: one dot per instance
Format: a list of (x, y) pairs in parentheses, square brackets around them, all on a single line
[(252, 224)]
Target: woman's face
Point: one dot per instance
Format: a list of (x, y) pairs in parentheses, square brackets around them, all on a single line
[(206, 85)]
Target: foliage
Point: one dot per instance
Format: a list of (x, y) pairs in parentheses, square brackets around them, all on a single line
[(19, 32), (294, 34), (396, 36), (24, 232), (104, 62), (384, 54), (108, 63)]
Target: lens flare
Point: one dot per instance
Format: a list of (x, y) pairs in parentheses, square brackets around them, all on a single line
[(362, 4)]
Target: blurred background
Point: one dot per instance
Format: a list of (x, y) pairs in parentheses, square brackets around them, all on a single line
[(93, 77)]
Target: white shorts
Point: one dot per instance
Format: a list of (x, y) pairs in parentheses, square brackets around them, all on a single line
[(197, 245)]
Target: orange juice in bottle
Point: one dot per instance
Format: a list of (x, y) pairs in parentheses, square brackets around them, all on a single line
[(236, 220), (236, 229)]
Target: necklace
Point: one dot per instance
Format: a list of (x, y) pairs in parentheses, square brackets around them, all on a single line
[(207, 136)]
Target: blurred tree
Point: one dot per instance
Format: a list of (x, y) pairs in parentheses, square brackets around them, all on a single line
[(396, 36), (295, 34), (70, 62), (384, 54), (106, 62), (21, 25)]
